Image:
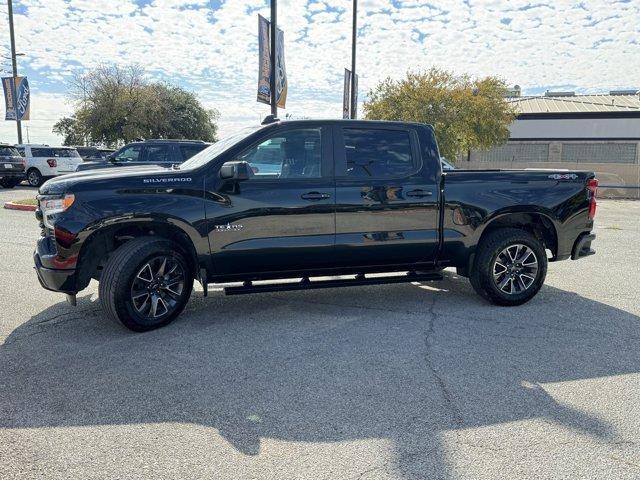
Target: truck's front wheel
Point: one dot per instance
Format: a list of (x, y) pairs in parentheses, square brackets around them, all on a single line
[(146, 283), (510, 267)]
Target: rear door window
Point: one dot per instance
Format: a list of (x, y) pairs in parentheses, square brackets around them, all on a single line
[(158, 153), (378, 153), (41, 152)]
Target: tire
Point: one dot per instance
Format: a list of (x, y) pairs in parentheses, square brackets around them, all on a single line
[(34, 177), (9, 182), (126, 280), (509, 268)]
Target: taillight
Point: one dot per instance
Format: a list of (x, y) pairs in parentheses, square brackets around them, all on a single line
[(52, 162), (592, 186)]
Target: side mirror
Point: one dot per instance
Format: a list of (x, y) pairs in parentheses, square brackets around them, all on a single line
[(236, 170)]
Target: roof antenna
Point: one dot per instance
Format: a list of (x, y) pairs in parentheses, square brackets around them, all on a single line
[(270, 119)]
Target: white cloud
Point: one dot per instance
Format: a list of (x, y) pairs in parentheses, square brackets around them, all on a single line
[(46, 109), (593, 45)]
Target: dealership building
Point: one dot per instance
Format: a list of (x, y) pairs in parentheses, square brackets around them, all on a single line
[(600, 133)]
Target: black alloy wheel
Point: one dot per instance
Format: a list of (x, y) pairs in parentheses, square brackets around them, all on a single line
[(515, 269), (158, 287)]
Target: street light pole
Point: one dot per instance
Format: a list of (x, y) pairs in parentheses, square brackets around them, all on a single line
[(354, 34), (15, 70), (273, 33)]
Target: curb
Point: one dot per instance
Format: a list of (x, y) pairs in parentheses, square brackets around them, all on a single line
[(18, 206)]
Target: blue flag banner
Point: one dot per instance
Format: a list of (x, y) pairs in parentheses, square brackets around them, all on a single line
[(20, 102)]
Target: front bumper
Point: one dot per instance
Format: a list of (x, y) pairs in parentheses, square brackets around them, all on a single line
[(582, 246), (56, 280)]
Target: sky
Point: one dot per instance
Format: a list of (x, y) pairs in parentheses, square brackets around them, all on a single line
[(210, 47)]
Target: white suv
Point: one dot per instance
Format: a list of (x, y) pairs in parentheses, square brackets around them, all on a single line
[(43, 161)]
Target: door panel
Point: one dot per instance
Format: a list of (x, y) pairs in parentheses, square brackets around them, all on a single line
[(384, 221), (283, 218)]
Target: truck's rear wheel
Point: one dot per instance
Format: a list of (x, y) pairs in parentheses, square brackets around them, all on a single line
[(146, 283), (510, 267)]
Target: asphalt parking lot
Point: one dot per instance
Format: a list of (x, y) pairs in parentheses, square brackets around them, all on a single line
[(400, 381)]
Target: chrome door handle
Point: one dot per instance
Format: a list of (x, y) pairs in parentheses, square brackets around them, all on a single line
[(419, 193), (315, 196)]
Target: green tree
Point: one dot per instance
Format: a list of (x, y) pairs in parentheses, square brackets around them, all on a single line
[(72, 132), (466, 113), (115, 105)]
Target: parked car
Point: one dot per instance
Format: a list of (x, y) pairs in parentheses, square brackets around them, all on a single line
[(162, 153), (90, 154), (346, 198), (11, 166), (43, 161)]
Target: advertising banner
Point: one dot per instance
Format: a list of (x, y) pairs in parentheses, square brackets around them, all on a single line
[(355, 114), (264, 73), (21, 101), (346, 95), (281, 71)]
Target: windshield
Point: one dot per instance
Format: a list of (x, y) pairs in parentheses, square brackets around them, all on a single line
[(208, 154), (8, 152)]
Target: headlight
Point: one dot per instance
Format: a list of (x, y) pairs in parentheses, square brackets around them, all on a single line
[(51, 206)]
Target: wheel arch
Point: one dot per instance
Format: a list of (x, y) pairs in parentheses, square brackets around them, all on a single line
[(539, 224), (102, 240)]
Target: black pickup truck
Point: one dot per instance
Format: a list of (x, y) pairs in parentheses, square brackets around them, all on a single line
[(323, 203)]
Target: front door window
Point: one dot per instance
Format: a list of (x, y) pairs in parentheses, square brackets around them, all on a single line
[(292, 154), (129, 154)]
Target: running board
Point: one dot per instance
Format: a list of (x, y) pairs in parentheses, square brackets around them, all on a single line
[(305, 283)]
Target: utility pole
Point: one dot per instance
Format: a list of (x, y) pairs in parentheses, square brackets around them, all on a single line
[(15, 70), (273, 42), (354, 33)]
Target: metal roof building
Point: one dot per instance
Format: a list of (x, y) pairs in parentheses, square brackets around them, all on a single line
[(577, 132), (618, 102)]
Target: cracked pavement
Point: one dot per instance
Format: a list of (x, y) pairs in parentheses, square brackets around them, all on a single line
[(410, 381)]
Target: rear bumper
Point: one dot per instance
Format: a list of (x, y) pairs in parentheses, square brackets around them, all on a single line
[(582, 246), (12, 174), (56, 280)]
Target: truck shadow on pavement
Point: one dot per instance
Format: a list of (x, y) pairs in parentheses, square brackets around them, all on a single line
[(411, 364)]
